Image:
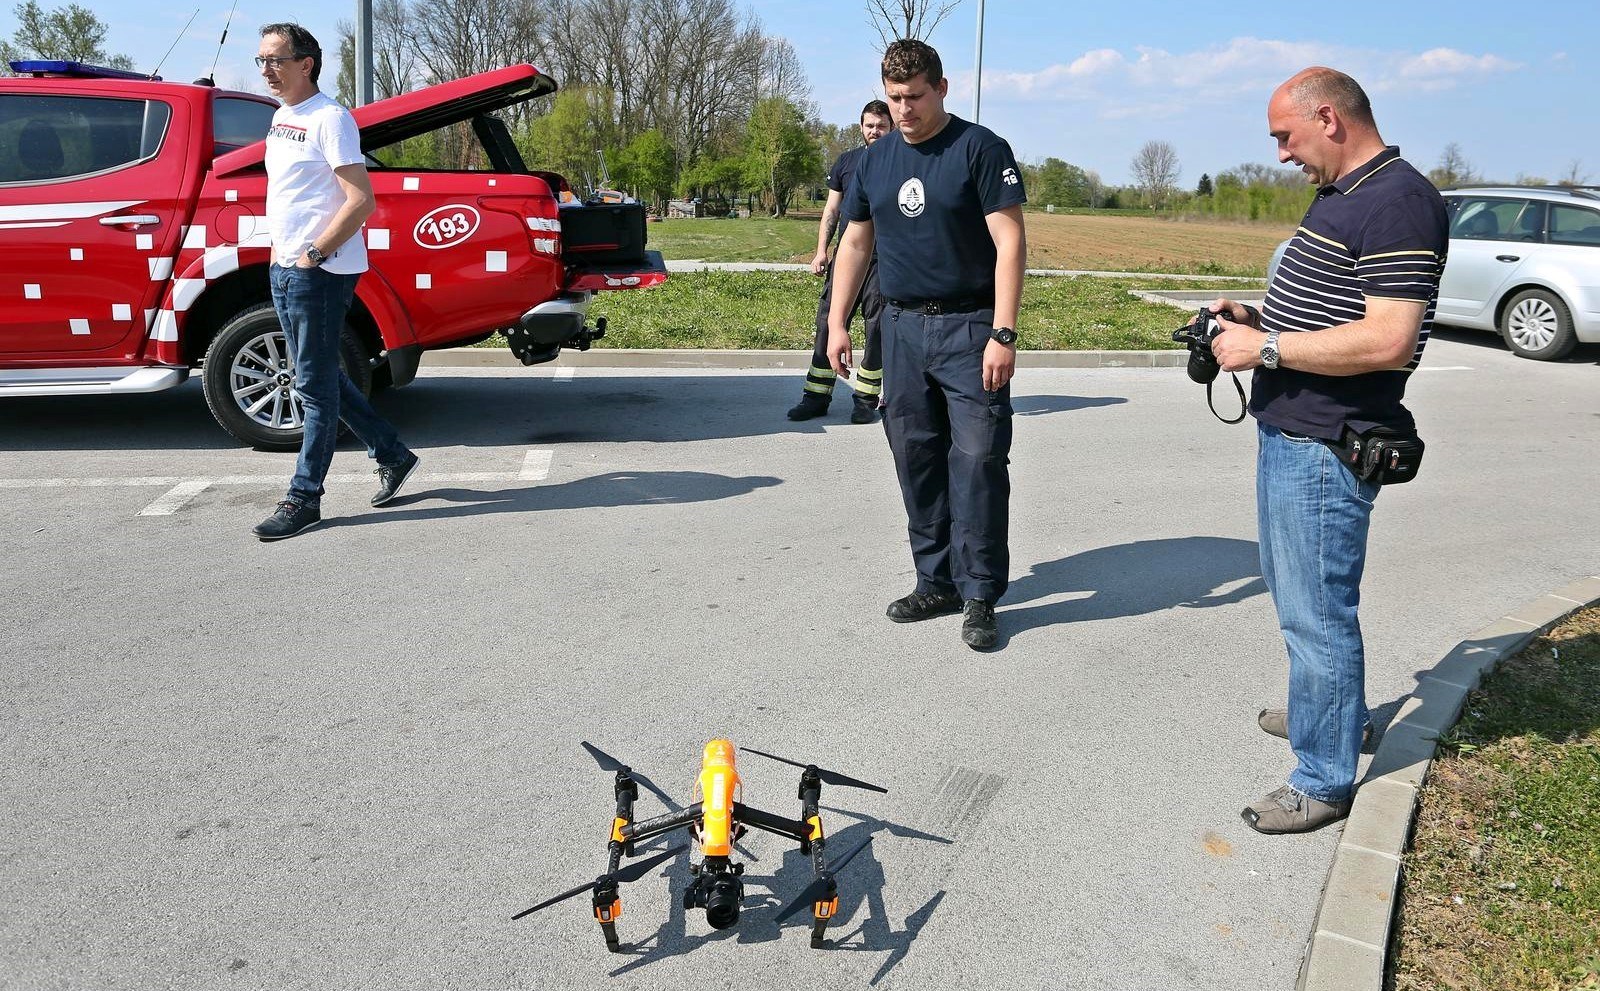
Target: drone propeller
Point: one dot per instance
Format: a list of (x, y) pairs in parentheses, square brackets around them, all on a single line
[(610, 763), (831, 777), (817, 890), (631, 872)]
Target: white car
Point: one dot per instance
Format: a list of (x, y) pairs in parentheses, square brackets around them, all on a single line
[(1524, 262)]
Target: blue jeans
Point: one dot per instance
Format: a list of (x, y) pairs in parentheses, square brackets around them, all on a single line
[(1312, 515), (311, 306), (951, 442)]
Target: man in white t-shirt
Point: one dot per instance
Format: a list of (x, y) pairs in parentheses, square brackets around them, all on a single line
[(318, 196)]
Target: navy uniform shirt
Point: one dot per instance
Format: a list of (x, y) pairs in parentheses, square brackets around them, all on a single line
[(844, 168), (1380, 232), (927, 203)]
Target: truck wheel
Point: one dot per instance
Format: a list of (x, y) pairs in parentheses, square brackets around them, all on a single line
[(248, 379), (1536, 325)]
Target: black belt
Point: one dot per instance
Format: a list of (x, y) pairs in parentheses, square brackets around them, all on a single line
[(935, 307)]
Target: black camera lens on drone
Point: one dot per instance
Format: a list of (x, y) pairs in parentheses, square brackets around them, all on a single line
[(722, 902)]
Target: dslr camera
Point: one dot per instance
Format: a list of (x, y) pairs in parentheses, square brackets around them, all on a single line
[(1198, 335)]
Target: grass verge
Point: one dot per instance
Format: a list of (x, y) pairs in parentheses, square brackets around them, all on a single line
[(777, 310), (1502, 884)]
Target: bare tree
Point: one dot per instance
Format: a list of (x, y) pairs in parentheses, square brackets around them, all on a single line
[(1453, 168), (895, 19), (1575, 175), (1155, 171)]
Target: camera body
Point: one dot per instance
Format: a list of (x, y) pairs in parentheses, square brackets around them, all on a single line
[(1198, 335)]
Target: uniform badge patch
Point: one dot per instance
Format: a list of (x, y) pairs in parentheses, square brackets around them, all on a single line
[(911, 198), (1009, 177)]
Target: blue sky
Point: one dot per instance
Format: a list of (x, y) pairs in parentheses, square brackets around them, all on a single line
[(1514, 85)]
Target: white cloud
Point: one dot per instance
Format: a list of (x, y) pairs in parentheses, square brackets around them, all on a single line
[(1438, 62)]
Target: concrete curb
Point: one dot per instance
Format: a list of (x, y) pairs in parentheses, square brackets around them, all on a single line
[(705, 358), (1349, 945)]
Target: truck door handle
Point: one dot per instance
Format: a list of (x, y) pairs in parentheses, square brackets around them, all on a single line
[(1498, 258), (130, 220)]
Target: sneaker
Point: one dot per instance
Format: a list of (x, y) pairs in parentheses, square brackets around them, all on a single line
[(864, 409), (978, 628), (1285, 810), (1275, 722), (919, 606), (287, 520), (810, 406), (390, 479)]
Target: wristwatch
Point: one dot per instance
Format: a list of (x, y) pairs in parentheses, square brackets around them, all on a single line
[(1269, 351), (1005, 335), (316, 256)]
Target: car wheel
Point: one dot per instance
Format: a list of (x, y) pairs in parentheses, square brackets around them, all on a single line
[(1536, 324), (248, 380)]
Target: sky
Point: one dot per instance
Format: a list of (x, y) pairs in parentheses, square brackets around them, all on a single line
[(1515, 86)]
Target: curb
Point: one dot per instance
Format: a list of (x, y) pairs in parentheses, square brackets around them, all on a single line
[(705, 358), (1349, 945)]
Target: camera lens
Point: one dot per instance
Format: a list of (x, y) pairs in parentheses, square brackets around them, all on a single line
[(1203, 368), (722, 904)]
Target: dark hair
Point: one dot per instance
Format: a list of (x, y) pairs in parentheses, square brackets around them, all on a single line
[(1330, 86), (301, 42), (908, 58), (877, 107)]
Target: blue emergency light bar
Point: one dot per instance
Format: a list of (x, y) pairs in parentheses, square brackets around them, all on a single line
[(74, 70)]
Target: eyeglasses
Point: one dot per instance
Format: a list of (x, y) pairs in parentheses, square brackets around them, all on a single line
[(276, 61)]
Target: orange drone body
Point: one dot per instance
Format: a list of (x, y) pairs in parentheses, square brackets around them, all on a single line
[(717, 790)]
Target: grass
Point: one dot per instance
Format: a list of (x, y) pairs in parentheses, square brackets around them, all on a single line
[(777, 310), (1502, 885), (1080, 242)]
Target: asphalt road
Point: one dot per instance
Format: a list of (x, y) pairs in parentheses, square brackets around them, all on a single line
[(347, 759)]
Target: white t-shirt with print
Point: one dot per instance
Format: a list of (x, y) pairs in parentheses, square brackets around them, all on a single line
[(306, 143)]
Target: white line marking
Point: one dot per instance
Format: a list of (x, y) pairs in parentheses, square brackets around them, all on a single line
[(164, 481), (1445, 368), (175, 498), (536, 466), (565, 373)]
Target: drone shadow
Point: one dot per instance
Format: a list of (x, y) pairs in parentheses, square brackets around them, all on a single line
[(862, 883)]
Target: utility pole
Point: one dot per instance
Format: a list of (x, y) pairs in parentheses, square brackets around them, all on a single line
[(977, 73), (364, 52)]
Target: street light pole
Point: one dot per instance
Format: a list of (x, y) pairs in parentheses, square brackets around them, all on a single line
[(977, 73), (363, 52)]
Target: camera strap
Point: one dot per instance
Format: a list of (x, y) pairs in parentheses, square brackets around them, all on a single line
[(1244, 405)]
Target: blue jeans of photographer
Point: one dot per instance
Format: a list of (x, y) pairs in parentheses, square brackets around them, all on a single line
[(311, 305), (1313, 517)]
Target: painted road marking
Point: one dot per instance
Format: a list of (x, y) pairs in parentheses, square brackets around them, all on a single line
[(175, 498), (536, 466), (565, 373)]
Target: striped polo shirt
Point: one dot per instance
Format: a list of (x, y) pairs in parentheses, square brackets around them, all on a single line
[(1379, 232)]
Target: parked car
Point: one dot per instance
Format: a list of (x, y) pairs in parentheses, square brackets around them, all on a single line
[(1524, 262), (135, 248)]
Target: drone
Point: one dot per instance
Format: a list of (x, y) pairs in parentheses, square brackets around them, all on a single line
[(716, 820)]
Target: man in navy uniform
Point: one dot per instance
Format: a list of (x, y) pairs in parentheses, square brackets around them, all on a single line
[(1346, 319), (941, 199), (820, 378)]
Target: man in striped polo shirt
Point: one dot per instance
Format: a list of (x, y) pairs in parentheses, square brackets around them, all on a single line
[(1345, 321)]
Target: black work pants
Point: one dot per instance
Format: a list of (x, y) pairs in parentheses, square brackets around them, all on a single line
[(951, 442), (869, 303)]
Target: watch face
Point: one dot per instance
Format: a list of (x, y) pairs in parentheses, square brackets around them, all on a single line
[(1005, 335)]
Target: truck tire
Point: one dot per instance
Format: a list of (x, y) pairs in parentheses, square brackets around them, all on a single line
[(247, 378)]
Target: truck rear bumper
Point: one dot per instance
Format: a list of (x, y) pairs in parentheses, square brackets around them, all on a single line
[(88, 381), (541, 332)]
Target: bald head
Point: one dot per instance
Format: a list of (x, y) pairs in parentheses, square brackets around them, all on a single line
[(1319, 86)]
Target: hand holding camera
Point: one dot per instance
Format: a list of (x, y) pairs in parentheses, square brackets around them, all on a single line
[(1202, 337)]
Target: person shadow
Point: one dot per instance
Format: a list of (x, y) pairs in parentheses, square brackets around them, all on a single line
[(1133, 579), (610, 489)]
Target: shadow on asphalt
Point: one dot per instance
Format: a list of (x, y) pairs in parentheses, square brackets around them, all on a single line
[(1133, 579), (616, 488), (861, 883), (445, 411), (1583, 354)]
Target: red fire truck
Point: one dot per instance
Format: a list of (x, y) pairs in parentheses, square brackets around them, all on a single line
[(133, 246)]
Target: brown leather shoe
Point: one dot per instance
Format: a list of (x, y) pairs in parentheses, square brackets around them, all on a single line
[(1285, 810), (1275, 722)]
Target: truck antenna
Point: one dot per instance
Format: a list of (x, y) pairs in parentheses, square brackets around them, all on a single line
[(175, 42), (212, 75)]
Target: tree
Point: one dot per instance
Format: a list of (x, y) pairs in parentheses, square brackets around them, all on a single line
[(1575, 175), (1060, 183), (1204, 187), (896, 19), (648, 165), (72, 32), (1155, 171), (564, 140), (1453, 168), (779, 153)]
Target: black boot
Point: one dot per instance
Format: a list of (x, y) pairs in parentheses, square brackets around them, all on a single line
[(864, 409), (811, 406)]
